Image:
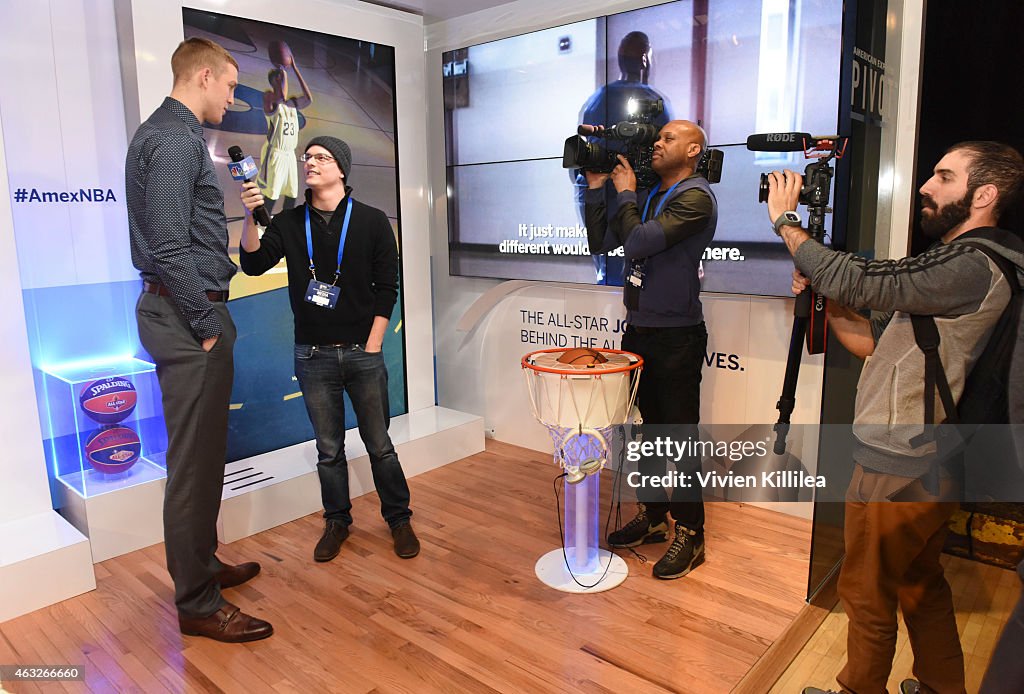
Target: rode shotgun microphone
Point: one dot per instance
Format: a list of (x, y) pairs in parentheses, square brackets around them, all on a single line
[(781, 142), (243, 168)]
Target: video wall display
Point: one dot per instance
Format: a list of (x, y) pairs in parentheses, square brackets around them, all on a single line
[(295, 85), (737, 67)]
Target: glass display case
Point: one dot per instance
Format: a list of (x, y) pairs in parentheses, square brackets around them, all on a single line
[(103, 424)]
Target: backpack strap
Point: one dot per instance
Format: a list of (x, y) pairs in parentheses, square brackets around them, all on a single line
[(1008, 268), (926, 335)]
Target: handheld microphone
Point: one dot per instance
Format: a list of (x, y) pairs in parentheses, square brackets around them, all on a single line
[(243, 168), (586, 130), (781, 142)]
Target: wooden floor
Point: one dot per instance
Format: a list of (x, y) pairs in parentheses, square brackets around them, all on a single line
[(467, 615), (983, 596)]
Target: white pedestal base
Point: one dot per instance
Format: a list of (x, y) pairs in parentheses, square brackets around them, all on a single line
[(43, 560), (552, 571), (270, 489), (277, 487), (117, 520)]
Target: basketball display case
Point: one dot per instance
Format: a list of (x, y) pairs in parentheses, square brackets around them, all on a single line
[(103, 425)]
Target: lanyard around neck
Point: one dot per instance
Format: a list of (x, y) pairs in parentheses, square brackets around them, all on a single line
[(657, 210), (341, 242)]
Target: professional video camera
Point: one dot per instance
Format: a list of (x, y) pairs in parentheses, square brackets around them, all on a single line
[(637, 134)]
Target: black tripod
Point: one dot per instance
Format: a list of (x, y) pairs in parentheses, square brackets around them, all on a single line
[(809, 307)]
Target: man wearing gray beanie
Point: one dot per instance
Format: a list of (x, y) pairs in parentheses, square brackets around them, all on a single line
[(341, 314)]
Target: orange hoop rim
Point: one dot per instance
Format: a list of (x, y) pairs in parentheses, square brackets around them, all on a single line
[(580, 372)]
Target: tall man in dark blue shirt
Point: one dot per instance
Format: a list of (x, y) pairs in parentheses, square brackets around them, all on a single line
[(179, 244), (663, 234)]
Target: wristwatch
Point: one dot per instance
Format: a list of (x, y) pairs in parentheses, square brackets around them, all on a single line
[(786, 219)]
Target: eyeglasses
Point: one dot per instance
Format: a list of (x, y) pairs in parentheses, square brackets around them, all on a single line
[(320, 158)]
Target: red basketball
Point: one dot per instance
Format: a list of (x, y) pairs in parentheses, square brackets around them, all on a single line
[(280, 54), (108, 400), (113, 450)]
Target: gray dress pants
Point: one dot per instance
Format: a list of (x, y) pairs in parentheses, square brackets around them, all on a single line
[(196, 392)]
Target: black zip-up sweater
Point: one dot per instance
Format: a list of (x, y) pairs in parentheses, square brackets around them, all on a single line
[(369, 269)]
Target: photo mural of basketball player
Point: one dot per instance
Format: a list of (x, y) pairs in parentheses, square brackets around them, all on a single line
[(279, 174), (319, 85)]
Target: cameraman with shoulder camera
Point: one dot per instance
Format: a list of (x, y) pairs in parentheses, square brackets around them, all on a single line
[(663, 233), (893, 549)]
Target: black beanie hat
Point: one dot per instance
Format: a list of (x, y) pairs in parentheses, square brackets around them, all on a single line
[(338, 149)]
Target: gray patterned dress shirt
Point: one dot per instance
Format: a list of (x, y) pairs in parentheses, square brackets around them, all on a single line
[(179, 235)]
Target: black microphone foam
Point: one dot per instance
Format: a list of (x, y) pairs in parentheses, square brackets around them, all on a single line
[(780, 142), (260, 213)]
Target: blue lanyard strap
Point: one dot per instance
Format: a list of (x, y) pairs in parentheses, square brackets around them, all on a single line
[(661, 205), (341, 242)]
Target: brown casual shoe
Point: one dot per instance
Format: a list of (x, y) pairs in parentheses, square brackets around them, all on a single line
[(231, 576), (407, 545), (330, 542), (228, 624)]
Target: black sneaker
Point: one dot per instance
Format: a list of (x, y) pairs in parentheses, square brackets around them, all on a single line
[(329, 545), (910, 687), (684, 554), (642, 530)]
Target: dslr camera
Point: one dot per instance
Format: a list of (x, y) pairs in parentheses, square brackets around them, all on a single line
[(817, 175), (814, 192), (634, 139)]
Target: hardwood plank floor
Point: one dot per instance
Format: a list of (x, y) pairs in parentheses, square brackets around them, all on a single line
[(467, 615), (983, 596)]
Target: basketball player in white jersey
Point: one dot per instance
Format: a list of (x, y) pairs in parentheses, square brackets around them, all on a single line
[(279, 175)]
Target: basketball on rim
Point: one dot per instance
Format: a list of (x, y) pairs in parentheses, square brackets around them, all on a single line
[(280, 54), (582, 356)]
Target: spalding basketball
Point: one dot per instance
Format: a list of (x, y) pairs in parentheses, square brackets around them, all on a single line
[(108, 400), (113, 450), (280, 54), (582, 356)]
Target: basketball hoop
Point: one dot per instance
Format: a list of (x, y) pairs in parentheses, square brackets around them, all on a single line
[(580, 396)]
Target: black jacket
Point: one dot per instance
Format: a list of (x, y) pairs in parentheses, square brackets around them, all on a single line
[(369, 270)]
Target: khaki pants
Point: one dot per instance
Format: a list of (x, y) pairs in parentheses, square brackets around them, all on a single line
[(892, 558)]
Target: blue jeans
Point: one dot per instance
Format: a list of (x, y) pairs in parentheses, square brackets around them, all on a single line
[(325, 374)]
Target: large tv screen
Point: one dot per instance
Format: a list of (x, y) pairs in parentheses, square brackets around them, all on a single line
[(737, 66), (294, 85)]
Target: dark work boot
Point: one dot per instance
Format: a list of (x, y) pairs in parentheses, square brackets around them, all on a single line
[(407, 545), (329, 545)]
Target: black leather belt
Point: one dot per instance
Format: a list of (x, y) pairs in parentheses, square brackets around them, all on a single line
[(162, 290)]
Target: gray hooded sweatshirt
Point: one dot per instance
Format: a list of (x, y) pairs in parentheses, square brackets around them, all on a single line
[(959, 286)]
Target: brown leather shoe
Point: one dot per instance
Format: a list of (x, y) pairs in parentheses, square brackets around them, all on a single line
[(407, 545), (228, 624), (231, 576), (329, 545)]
